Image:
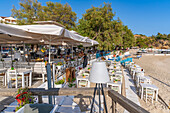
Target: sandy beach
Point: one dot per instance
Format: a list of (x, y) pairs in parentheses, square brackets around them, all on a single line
[(158, 69)]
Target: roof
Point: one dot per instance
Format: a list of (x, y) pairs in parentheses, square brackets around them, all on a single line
[(10, 18), (3, 17)]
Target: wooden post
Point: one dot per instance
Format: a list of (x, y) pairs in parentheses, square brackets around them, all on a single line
[(113, 106), (67, 73), (49, 81), (40, 99)]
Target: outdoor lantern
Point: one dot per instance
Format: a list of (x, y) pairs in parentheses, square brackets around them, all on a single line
[(99, 75)]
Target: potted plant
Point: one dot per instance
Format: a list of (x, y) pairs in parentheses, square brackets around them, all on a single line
[(83, 76), (24, 97), (59, 64), (115, 80), (71, 82), (113, 72), (12, 68), (114, 53), (2, 60), (59, 83), (114, 67)]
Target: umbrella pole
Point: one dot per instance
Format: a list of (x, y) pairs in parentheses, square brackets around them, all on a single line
[(11, 55), (49, 59), (24, 52), (72, 50), (27, 52)]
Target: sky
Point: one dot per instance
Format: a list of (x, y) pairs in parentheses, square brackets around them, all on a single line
[(146, 17)]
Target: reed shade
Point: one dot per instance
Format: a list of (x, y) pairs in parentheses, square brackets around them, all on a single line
[(99, 73)]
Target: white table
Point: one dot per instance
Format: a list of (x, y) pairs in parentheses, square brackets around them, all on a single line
[(23, 72), (142, 86), (116, 74), (80, 77), (4, 70), (138, 77), (118, 84)]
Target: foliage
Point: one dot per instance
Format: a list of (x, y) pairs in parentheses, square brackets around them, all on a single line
[(59, 64), (60, 82), (60, 13), (72, 59), (24, 97), (32, 10), (97, 23), (29, 11), (160, 39), (71, 84)]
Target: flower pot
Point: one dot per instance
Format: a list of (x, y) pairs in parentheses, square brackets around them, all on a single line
[(58, 85), (59, 67)]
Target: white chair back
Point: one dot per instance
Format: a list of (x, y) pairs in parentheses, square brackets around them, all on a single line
[(12, 73)]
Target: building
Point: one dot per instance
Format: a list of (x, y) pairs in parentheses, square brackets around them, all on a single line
[(8, 20)]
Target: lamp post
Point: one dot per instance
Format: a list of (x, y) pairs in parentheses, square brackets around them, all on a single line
[(99, 75)]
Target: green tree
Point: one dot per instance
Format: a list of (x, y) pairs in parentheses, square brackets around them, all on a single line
[(97, 24), (32, 10), (128, 37), (60, 13)]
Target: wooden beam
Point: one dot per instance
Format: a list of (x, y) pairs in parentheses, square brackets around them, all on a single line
[(65, 91)]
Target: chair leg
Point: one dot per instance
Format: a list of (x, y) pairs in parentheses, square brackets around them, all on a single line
[(27, 81), (153, 97), (4, 81), (16, 82), (146, 98), (43, 77), (9, 84)]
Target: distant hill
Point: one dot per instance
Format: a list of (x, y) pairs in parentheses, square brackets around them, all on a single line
[(160, 41)]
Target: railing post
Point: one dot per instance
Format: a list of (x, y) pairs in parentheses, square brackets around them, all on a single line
[(113, 106), (49, 81), (40, 99)]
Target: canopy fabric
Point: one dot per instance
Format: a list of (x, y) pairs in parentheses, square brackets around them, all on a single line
[(50, 33), (11, 31), (87, 42), (41, 29), (35, 33)]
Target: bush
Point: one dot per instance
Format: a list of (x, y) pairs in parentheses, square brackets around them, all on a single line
[(59, 64), (60, 82)]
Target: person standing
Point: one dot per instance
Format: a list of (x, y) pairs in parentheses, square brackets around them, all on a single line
[(85, 60)]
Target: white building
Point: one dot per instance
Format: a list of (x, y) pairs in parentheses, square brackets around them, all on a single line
[(9, 20)]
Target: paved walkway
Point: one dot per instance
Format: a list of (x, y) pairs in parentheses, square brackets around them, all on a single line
[(130, 88)]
